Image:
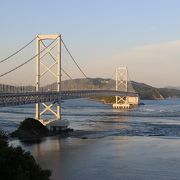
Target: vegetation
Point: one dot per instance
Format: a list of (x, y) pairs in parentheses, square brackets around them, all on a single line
[(105, 99), (147, 92), (16, 164), (172, 93)]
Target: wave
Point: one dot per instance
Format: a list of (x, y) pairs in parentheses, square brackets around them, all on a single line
[(15, 112), (158, 115)]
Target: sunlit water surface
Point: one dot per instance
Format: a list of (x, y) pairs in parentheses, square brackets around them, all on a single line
[(142, 143)]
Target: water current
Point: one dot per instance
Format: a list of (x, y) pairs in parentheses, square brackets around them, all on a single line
[(141, 143)]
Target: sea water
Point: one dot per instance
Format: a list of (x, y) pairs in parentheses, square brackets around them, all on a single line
[(141, 143)]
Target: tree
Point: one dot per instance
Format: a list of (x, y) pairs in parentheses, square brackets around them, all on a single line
[(17, 164)]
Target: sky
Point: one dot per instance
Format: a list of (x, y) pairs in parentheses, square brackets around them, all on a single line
[(143, 35)]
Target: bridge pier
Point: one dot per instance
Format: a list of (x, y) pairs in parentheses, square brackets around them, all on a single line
[(121, 102), (124, 102)]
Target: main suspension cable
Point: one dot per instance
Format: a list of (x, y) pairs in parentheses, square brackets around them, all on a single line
[(17, 67), (73, 59), (5, 59)]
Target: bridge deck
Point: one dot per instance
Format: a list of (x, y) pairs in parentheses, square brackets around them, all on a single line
[(12, 99)]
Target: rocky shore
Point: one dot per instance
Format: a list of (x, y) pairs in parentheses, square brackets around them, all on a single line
[(32, 129)]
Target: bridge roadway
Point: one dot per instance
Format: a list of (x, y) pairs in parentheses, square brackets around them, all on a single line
[(13, 99)]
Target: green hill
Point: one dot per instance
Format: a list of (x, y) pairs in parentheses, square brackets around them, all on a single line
[(148, 92)]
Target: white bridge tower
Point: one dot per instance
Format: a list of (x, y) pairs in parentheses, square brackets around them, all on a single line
[(54, 68), (122, 84)]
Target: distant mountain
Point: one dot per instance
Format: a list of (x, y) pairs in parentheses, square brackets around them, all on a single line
[(148, 92), (172, 87), (145, 91), (85, 84)]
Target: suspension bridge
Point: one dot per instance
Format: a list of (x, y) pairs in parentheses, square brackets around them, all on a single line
[(49, 97)]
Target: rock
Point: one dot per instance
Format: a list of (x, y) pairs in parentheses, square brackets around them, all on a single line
[(30, 128), (33, 130), (141, 103), (84, 137)]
